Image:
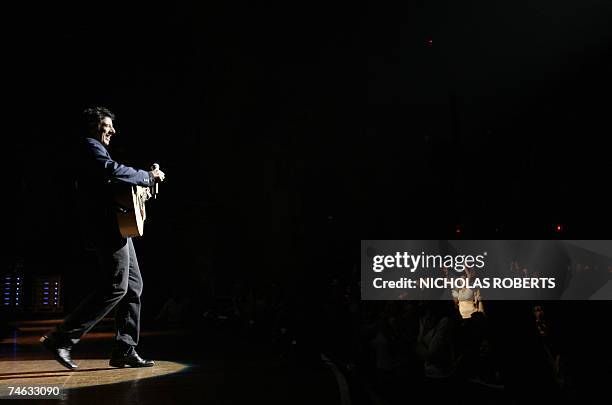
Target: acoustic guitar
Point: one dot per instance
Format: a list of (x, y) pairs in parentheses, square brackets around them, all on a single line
[(130, 202)]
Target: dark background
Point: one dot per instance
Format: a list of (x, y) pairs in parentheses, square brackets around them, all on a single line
[(288, 132)]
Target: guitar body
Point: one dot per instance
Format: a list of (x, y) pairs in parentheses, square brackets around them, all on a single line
[(131, 212)]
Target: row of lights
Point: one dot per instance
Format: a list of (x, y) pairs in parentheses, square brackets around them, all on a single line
[(558, 228), (50, 293), (11, 291)]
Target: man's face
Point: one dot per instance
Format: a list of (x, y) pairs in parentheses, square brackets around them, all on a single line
[(105, 130)]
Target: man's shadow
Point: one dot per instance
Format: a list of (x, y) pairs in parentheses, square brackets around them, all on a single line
[(54, 373)]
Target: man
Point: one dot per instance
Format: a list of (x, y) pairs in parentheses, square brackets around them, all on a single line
[(118, 284)]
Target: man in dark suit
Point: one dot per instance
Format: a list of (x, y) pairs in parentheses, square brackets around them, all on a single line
[(119, 283)]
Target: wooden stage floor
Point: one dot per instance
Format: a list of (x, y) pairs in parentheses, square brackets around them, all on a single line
[(217, 369)]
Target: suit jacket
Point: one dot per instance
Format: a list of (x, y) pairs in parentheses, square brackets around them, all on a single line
[(97, 175)]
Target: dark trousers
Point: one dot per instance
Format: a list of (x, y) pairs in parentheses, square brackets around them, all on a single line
[(119, 286)]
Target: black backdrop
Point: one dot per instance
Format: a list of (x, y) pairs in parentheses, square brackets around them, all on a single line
[(289, 132)]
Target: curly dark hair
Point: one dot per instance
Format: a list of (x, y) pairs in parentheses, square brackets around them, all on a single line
[(93, 115)]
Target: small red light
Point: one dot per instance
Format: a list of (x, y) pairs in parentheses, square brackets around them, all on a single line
[(429, 42), (559, 228)]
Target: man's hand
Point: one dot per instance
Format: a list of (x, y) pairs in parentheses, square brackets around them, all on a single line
[(158, 175)]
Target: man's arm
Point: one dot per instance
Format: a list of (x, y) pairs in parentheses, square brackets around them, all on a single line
[(116, 172)]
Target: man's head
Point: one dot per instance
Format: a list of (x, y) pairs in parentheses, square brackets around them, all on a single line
[(99, 121)]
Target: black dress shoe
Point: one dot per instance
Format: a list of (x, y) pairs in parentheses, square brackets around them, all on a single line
[(131, 359), (61, 354)]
